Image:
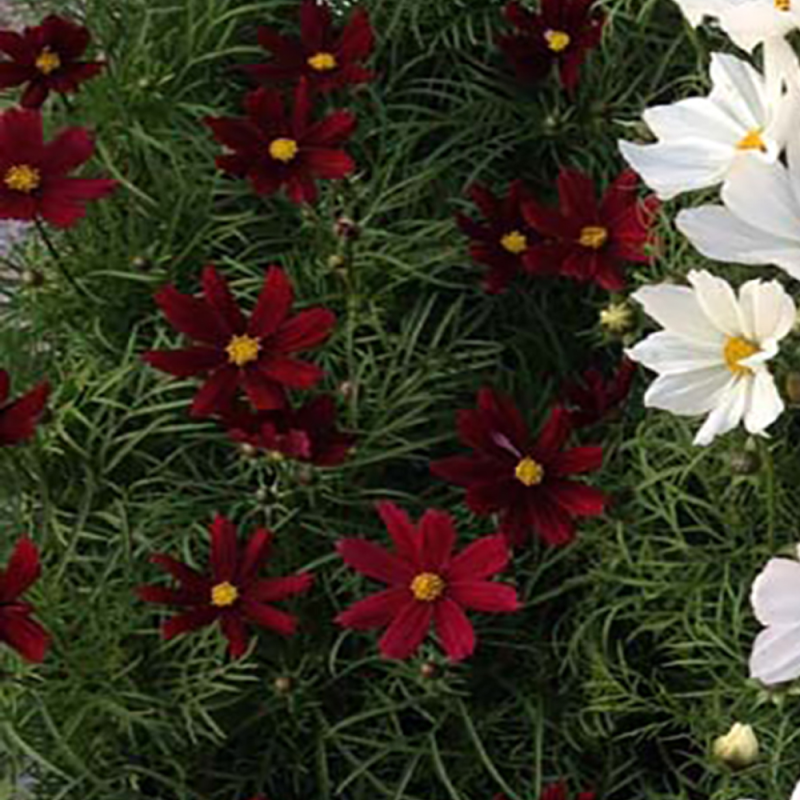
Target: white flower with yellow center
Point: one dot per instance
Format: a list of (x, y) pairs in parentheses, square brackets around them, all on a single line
[(712, 356), (702, 140)]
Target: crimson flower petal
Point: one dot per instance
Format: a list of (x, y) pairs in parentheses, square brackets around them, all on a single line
[(22, 572), (401, 529), (24, 635), (494, 598), (375, 562), (407, 631), (191, 620), (481, 559), (235, 631), (455, 632), (224, 550), (375, 611), (270, 590), (438, 536), (270, 618), (274, 304)]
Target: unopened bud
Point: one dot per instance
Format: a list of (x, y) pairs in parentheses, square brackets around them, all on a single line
[(347, 389), (617, 318), (247, 450), (283, 684), (429, 670), (346, 228), (739, 747), (745, 462), (792, 387), (33, 278)]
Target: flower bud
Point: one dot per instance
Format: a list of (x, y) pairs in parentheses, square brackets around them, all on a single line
[(745, 462), (283, 684), (336, 262), (739, 747), (346, 228), (247, 450), (33, 278), (792, 387), (617, 318), (429, 671)]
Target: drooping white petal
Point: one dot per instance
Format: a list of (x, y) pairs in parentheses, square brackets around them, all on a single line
[(769, 310), (668, 354), (765, 403), (676, 309), (775, 595), (776, 654), (718, 302), (728, 412), (689, 393)]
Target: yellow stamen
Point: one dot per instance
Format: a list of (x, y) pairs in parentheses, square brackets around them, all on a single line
[(515, 242), (427, 587), (752, 141), (224, 595), (243, 349), (23, 178), (283, 149), (529, 472), (48, 61), (617, 318), (593, 237), (323, 62), (736, 350), (783, 5), (557, 41)]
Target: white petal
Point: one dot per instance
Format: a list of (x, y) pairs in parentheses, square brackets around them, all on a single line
[(765, 404), (749, 24), (775, 595), (728, 412), (695, 10), (718, 301), (739, 89), (769, 310), (694, 118), (796, 793), (676, 309), (690, 393), (670, 168), (667, 353), (776, 654)]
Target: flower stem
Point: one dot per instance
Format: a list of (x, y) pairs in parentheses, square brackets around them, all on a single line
[(68, 276)]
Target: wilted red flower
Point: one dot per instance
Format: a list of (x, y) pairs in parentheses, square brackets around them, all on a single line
[(560, 34), (523, 479), (329, 59), (587, 240), (255, 354), (501, 241), (308, 433), (17, 629), (18, 419), (558, 791), (594, 397), (275, 149), (34, 176), (47, 59), (232, 594), (428, 584)]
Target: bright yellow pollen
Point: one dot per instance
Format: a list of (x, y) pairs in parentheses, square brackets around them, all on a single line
[(224, 594), (283, 149), (48, 61), (593, 237), (427, 587), (323, 62), (752, 141), (23, 178), (515, 242), (529, 472), (783, 5), (557, 41), (243, 349), (737, 350)]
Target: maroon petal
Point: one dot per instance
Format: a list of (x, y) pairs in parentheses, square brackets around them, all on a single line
[(271, 590), (305, 331), (191, 316), (24, 635), (68, 151), (35, 95), (555, 432), (492, 598), (235, 631), (22, 572), (481, 559), (182, 573), (263, 391), (184, 363), (455, 631), (256, 552), (577, 195), (302, 109), (315, 22), (281, 46), (163, 595), (191, 620), (402, 531), (12, 75), (222, 303), (14, 45), (464, 470), (292, 373), (375, 562), (5, 386), (327, 163), (552, 523), (224, 550), (578, 499), (376, 611), (407, 631), (266, 110), (333, 130), (274, 304), (438, 535), (18, 420), (237, 134), (576, 461), (358, 38), (217, 393), (271, 618)]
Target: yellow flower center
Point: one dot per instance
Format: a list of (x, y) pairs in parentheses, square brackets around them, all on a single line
[(224, 595), (557, 41), (322, 62), (593, 237), (515, 242), (283, 149), (783, 5), (737, 350), (427, 587), (529, 472), (616, 317), (23, 178), (752, 141), (48, 61), (243, 349)]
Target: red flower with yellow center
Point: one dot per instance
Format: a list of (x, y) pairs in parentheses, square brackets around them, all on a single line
[(46, 58), (589, 240), (274, 149), (35, 180), (17, 629), (524, 480), (429, 585), (232, 594), (327, 58), (559, 35), (255, 354), (19, 418)]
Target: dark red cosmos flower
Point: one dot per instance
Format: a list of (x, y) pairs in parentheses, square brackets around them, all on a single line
[(18, 419), (558, 791), (308, 433), (560, 34), (47, 59), (594, 397), (329, 59), (232, 594), (34, 176), (17, 629), (255, 354), (587, 240), (275, 149), (428, 584), (501, 241), (525, 480)]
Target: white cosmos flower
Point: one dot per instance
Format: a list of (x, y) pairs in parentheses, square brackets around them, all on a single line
[(775, 598), (711, 357), (702, 140), (759, 222)]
